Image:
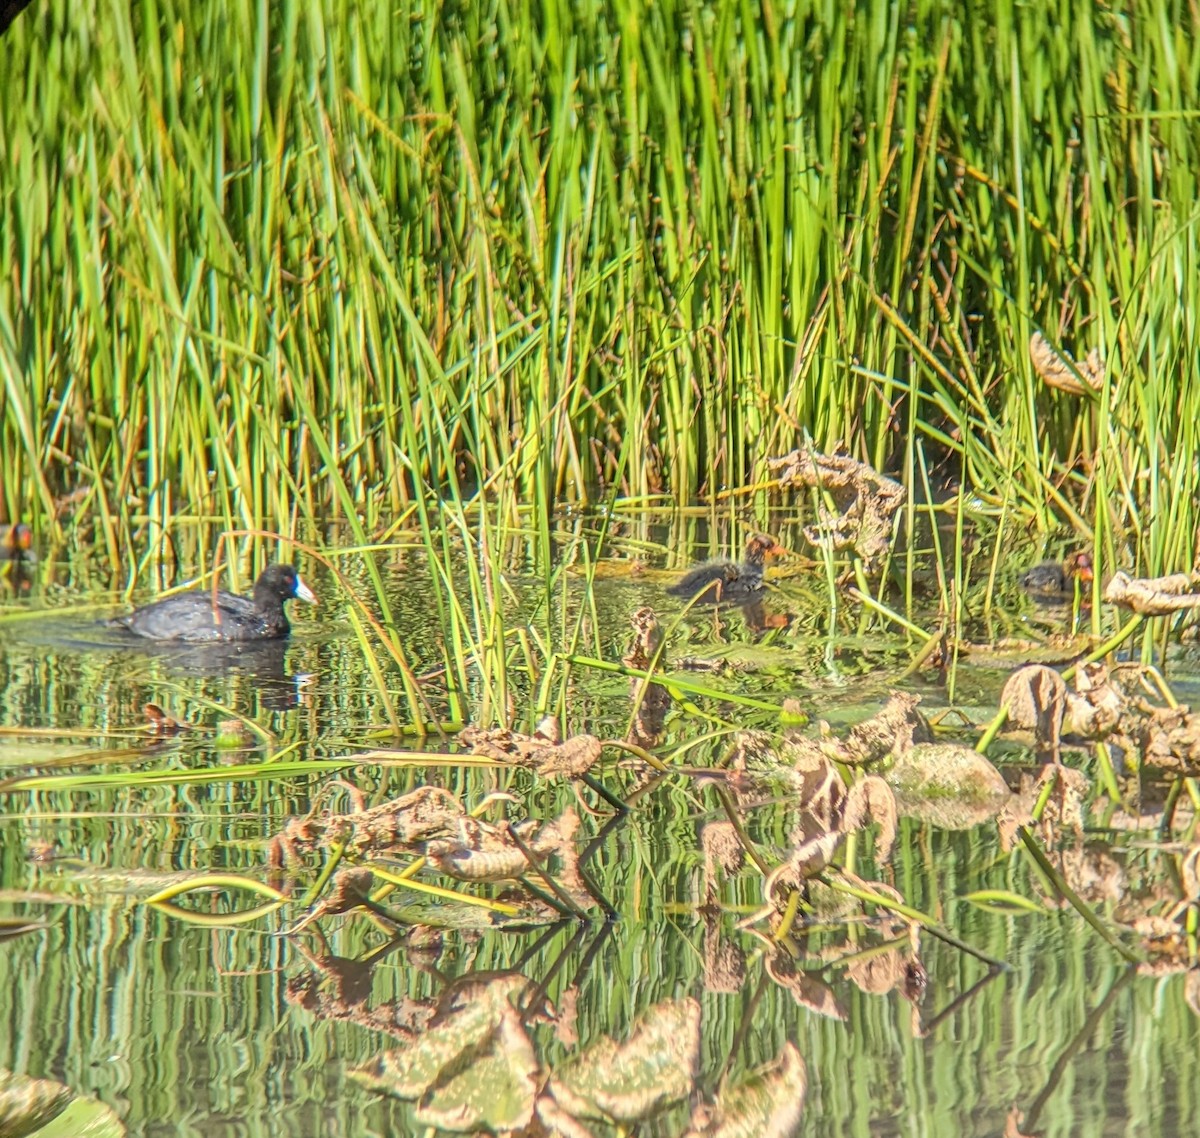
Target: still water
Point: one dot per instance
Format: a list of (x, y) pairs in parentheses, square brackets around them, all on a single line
[(180, 1029)]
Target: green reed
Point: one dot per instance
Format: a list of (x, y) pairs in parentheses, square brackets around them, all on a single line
[(282, 264)]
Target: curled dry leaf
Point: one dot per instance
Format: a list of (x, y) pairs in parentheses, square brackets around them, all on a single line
[(647, 639), (819, 789), (1170, 740), (721, 847), (767, 1103), (1154, 596), (806, 860), (724, 961), (1064, 807), (541, 752), (1036, 699), (348, 890), (1099, 707), (867, 500), (878, 975), (1189, 875), (1059, 371), (162, 726), (651, 701), (427, 812), (1094, 874), (872, 797), (484, 852), (808, 990), (890, 733)]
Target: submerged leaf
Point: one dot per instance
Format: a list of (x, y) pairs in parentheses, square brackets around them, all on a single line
[(768, 1103), (475, 1068), (948, 771), (26, 1105), (635, 1080)]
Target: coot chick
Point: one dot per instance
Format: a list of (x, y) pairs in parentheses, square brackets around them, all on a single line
[(1054, 579), (191, 616), (16, 543), (729, 582)]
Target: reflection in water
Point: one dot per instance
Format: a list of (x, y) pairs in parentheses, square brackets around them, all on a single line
[(262, 1029), (264, 661)]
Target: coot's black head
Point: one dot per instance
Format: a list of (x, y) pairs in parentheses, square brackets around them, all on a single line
[(280, 583)]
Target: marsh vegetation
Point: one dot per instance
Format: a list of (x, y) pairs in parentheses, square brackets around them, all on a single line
[(494, 320)]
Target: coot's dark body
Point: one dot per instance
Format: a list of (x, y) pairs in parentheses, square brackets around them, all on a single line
[(192, 617), (1052, 579), (729, 582), (16, 543)]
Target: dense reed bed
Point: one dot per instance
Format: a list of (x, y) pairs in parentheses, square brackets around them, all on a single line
[(273, 265), (276, 260)]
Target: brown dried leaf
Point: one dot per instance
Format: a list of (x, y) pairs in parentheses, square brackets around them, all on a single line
[(721, 847), (541, 751), (806, 860), (1059, 371), (1100, 706), (892, 732), (867, 500), (872, 797), (647, 638), (427, 812), (348, 890), (724, 961), (1036, 698), (878, 975), (1170, 740), (162, 726), (1154, 596), (806, 989), (1064, 807), (484, 852)]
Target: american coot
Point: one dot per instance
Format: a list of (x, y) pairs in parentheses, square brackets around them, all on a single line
[(16, 543), (192, 615), (729, 581), (1055, 579)]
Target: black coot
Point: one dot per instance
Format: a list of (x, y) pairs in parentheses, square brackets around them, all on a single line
[(730, 582), (192, 615)]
